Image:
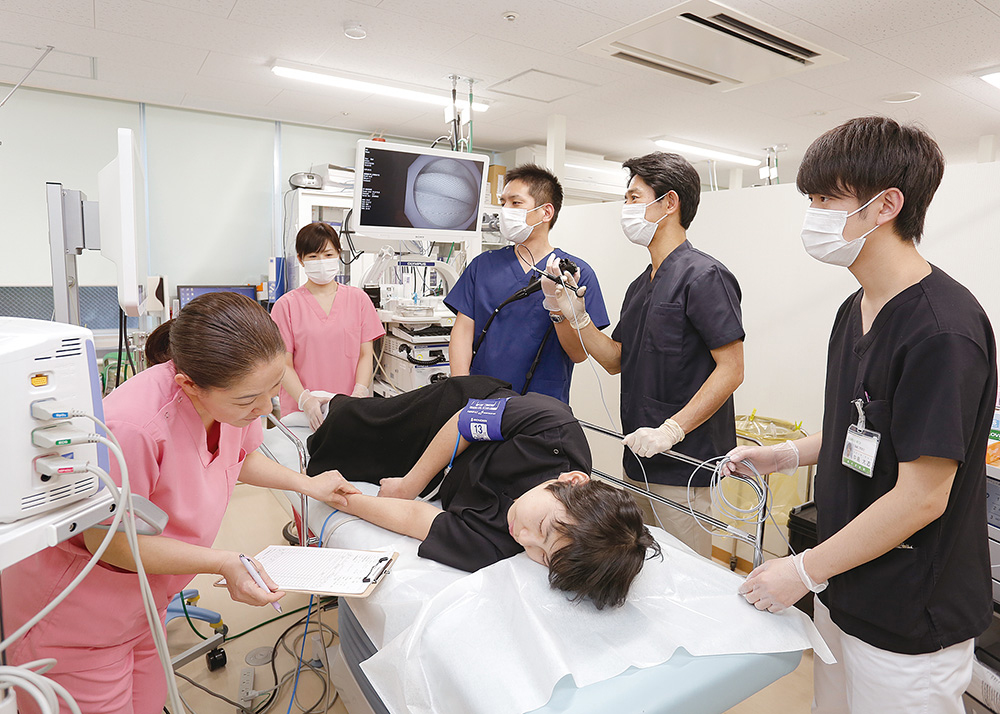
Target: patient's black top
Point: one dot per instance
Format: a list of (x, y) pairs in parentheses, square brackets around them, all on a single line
[(365, 438)]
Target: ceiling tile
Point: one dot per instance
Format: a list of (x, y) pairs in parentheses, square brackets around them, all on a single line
[(219, 8), (24, 57), (537, 85), (932, 51), (76, 12), (859, 22), (553, 26)]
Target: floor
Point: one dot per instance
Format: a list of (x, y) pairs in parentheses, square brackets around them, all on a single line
[(254, 520)]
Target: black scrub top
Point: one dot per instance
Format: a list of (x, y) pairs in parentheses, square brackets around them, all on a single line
[(926, 374), (668, 327), (542, 439)]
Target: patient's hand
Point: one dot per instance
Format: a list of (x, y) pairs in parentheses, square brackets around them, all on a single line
[(397, 488), (331, 488)]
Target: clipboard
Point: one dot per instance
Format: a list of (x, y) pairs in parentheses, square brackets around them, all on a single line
[(325, 571)]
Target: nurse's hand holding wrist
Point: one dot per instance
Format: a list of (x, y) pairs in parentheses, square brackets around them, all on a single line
[(331, 488), (646, 441), (241, 585), (361, 390), (783, 457)]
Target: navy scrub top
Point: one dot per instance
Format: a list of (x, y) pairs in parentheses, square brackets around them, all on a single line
[(517, 331), (668, 327), (926, 373)]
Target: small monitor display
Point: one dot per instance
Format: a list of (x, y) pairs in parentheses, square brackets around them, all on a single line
[(187, 293), (409, 192)]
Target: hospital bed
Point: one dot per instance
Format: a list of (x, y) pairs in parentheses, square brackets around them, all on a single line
[(399, 623)]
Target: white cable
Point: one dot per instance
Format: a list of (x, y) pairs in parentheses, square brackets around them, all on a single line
[(44, 691), (149, 602)]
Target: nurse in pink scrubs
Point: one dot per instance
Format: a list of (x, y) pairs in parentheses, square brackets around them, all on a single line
[(189, 427), (328, 329)]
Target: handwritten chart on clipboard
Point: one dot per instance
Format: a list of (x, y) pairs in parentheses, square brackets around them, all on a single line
[(325, 571)]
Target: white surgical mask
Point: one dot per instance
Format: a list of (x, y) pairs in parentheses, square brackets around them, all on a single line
[(823, 235), (634, 224), (322, 271), (514, 224)]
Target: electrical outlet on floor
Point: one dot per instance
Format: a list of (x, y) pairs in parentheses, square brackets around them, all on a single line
[(246, 686)]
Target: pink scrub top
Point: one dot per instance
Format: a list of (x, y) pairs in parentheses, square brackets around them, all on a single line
[(165, 447), (325, 348)]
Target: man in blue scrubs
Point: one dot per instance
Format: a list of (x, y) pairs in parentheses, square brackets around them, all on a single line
[(523, 334), (678, 345)]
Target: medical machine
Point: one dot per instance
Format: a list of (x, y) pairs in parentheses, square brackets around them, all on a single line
[(412, 193), (187, 293), (44, 362), (116, 226), (408, 365)]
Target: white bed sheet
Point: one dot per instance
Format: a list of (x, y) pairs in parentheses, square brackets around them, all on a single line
[(422, 666)]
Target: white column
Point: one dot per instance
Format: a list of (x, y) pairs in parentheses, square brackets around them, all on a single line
[(555, 145), (988, 145), (735, 178)]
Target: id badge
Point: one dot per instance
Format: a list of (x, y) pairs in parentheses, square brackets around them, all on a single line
[(860, 448)]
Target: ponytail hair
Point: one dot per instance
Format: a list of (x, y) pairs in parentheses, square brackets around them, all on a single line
[(217, 340)]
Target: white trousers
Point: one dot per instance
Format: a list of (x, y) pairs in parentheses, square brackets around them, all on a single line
[(678, 524), (869, 680)]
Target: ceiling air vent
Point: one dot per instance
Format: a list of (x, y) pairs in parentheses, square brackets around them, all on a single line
[(713, 45)]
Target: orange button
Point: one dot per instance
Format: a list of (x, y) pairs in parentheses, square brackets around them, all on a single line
[(39, 380)]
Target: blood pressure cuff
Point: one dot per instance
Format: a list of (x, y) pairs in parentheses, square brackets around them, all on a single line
[(480, 419)]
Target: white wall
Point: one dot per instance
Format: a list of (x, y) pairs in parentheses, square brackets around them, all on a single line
[(212, 206), (789, 299), (57, 138)]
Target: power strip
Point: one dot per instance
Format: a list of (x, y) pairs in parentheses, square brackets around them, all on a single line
[(246, 686)]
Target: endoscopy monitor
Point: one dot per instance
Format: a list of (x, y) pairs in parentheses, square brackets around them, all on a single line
[(412, 193), (187, 293)]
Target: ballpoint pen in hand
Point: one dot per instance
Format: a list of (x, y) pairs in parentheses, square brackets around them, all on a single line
[(256, 578)]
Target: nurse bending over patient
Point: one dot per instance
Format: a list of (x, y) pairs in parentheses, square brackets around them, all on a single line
[(526, 489), (328, 329), (189, 427)]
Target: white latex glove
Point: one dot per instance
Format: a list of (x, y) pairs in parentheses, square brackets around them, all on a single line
[(361, 390), (647, 441), (549, 300), (783, 457), (573, 308), (776, 584), (312, 405)]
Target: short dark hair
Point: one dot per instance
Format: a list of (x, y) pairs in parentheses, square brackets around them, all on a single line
[(608, 543), (312, 237), (864, 156), (217, 340), (665, 172), (543, 186)]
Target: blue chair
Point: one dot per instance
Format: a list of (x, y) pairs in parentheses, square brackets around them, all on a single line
[(215, 658)]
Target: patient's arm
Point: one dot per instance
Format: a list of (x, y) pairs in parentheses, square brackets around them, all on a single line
[(411, 518), (435, 457)]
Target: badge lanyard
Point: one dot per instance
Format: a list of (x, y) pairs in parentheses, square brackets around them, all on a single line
[(861, 444)]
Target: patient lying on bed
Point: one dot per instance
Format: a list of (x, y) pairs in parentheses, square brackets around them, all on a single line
[(528, 490)]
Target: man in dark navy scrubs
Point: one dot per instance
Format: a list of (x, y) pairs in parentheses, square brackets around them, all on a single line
[(678, 345), (902, 563)]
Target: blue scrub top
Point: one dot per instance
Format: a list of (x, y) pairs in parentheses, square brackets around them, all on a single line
[(513, 339)]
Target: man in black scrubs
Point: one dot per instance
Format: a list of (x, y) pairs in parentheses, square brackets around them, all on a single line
[(513, 473), (902, 565), (678, 345)]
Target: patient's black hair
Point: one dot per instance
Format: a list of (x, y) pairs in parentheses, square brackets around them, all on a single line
[(608, 543)]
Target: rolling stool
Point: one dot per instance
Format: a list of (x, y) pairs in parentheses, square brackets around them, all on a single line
[(215, 657)]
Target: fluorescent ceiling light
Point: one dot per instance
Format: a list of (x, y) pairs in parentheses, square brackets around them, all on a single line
[(318, 75), (682, 147), (992, 76)]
